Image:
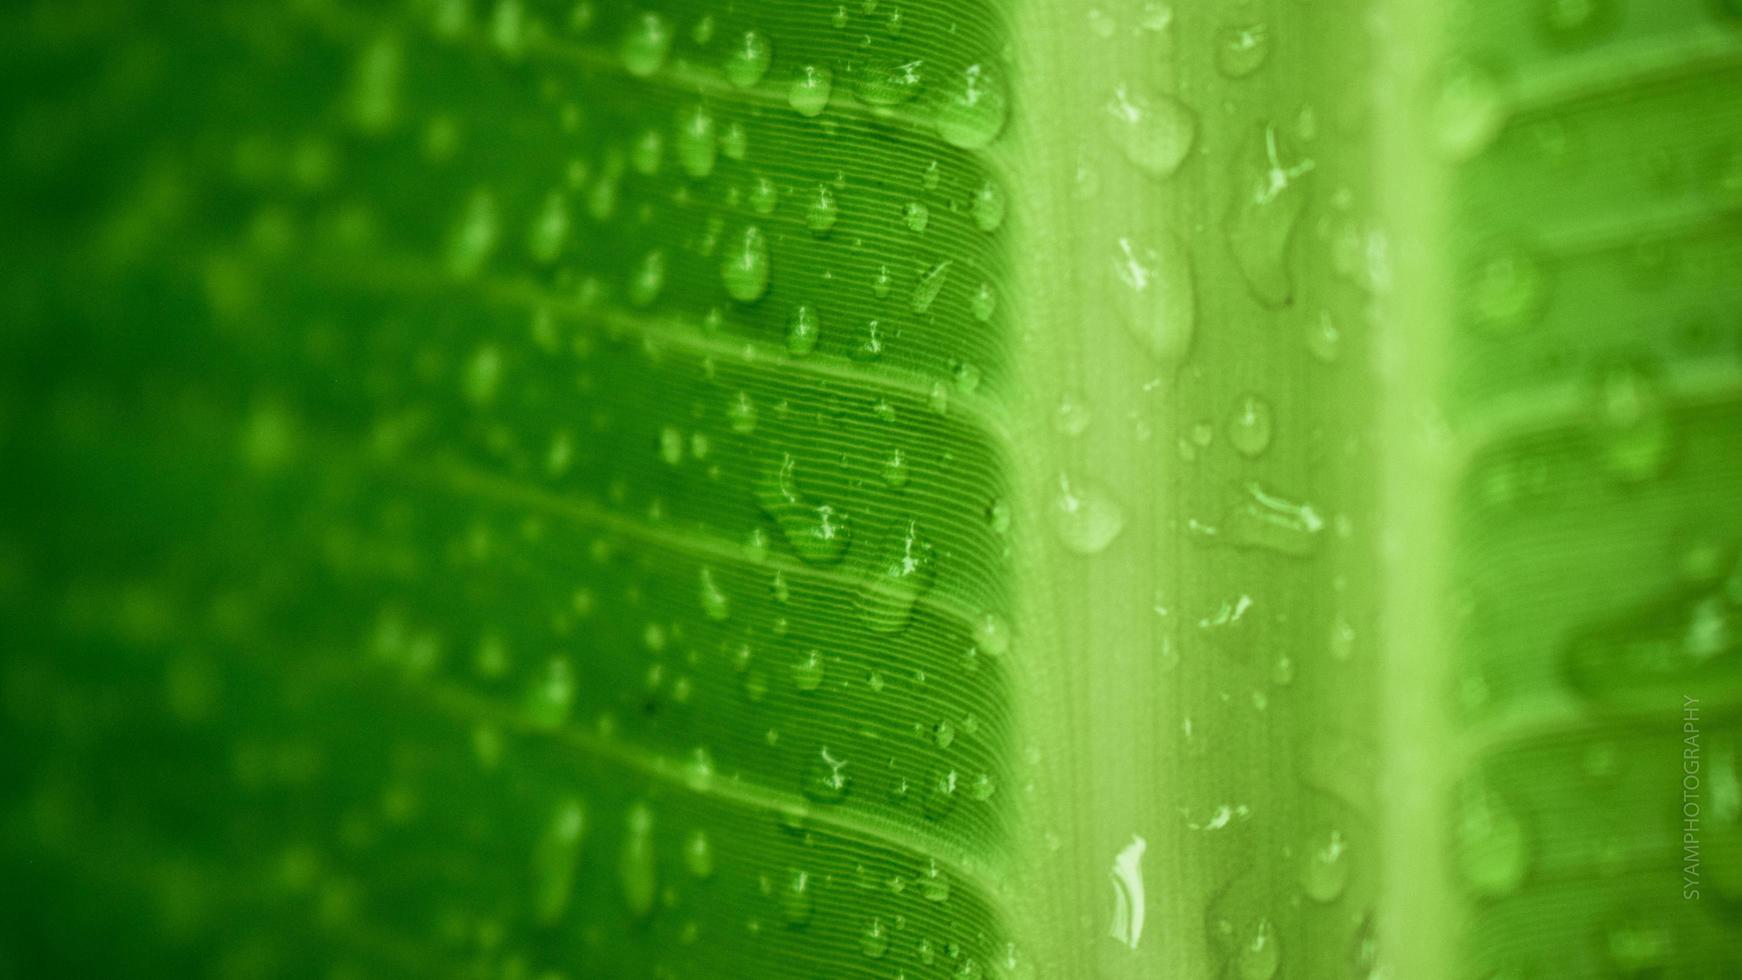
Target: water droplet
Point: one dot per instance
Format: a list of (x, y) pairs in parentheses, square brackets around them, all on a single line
[(1260, 957), (741, 414), (645, 44), (1323, 338), (1510, 288), (820, 216), (967, 376), (1469, 110), (544, 240), (803, 330), (984, 303), (1153, 293), (1576, 21), (972, 114), (748, 60), (647, 279), (874, 941), (796, 903), (1326, 873), (1085, 516), (698, 855), (553, 861), (944, 734), (1153, 131), (637, 873), (989, 206), (871, 348), (934, 883), (764, 196), (904, 573), (809, 94), (817, 532), (895, 468), (883, 283), (1271, 522), (930, 284), (1493, 848), (1262, 216), (715, 604), (476, 235), (745, 268), (1242, 50), (696, 141), (1633, 426), (915, 215), (888, 82), (825, 778), (1251, 425), (1072, 417)]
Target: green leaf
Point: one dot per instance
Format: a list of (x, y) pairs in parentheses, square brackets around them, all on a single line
[(973, 488)]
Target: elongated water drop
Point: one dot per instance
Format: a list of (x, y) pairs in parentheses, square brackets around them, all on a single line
[(697, 143), (1267, 203), (744, 269), (1153, 293), (931, 282), (897, 581), (636, 871), (554, 859), (803, 330), (817, 532)]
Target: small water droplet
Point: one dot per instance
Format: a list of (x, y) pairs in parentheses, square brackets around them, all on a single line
[(1265, 209), (1242, 50), (803, 330), (795, 899), (989, 205), (1469, 110), (1632, 424), (874, 940), (554, 858), (1493, 848), (825, 778), (934, 883), (764, 196), (1510, 290), (698, 854), (647, 279), (895, 468), (984, 303), (1260, 956), (916, 216), (817, 532), (1251, 425)]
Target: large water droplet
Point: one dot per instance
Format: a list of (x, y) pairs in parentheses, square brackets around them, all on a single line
[(748, 60), (1085, 516), (888, 82), (1493, 846), (645, 44), (973, 112), (1469, 110), (817, 532), (1152, 291), (1326, 872), (1153, 131)]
